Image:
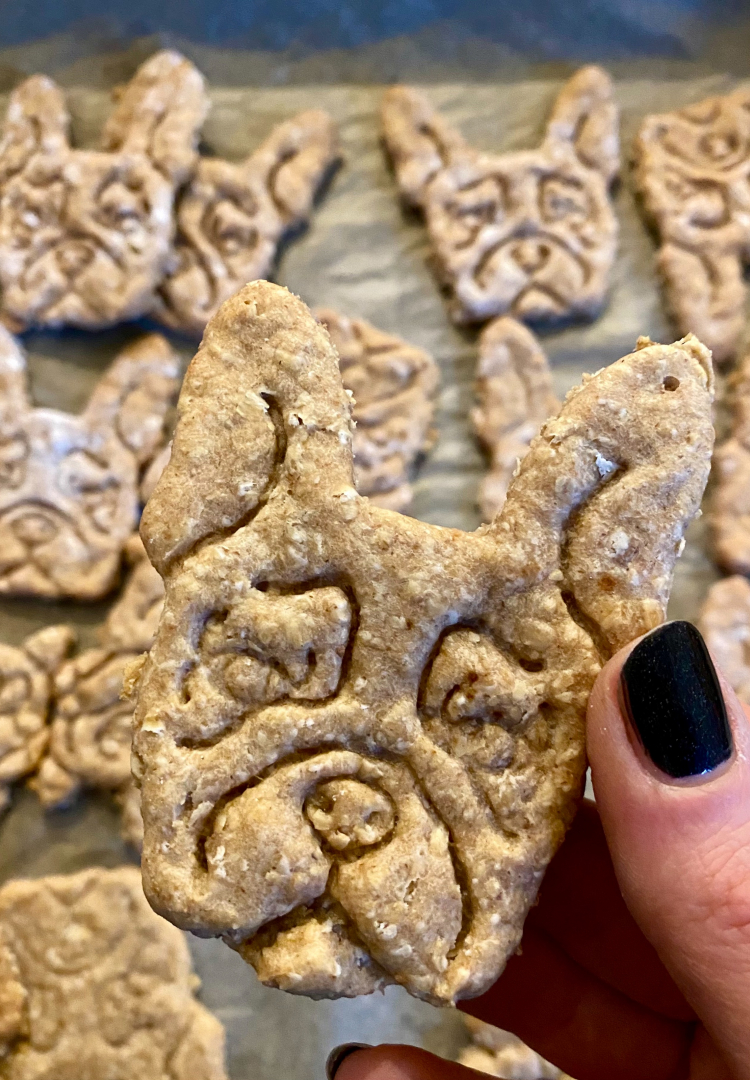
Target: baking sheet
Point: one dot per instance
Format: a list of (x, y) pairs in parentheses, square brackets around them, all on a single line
[(364, 256)]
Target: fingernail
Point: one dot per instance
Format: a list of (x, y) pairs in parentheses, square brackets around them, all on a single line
[(673, 700), (337, 1055)]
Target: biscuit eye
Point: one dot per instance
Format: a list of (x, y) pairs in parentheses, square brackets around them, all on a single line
[(230, 228), (563, 200), (122, 207)]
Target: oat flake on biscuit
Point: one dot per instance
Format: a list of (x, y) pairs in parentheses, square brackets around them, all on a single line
[(69, 485), (692, 168), (91, 729), (232, 217), (514, 397), (94, 984), (360, 737), (85, 235), (394, 386), (530, 233)]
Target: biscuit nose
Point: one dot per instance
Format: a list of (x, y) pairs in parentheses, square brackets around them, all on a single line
[(531, 255), (74, 256), (34, 528)]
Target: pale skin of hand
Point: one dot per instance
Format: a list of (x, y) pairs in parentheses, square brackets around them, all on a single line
[(635, 964)]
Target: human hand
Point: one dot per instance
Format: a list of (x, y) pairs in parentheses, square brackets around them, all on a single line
[(636, 961)]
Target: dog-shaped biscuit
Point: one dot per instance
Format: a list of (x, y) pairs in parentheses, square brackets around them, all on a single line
[(532, 233), (69, 496), (360, 737), (93, 984), (231, 217), (86, 235), (692, 168)]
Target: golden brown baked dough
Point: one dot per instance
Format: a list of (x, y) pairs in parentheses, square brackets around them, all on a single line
[(533, 233), (359, 736), (85, 235), (93, 984)]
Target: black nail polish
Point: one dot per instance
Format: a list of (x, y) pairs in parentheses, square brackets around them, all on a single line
[(673, 698), (337, 1055)]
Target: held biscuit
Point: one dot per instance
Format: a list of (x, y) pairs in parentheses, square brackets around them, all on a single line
[(533, 233), (499, 1053), (91, 732), (692, 168), (724, 622), (394, 386), (514, 397), (26, 688), (360, 737), (93, 984), (69, 496), (86, 235), (231, 218), (729, 508)]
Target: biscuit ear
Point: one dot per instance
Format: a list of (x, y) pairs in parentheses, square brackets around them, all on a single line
[(418, 140), (262, 408), (159, 113), (36, 121), (134, 394), (585, 118), (603, 497), (294, 160), (14, 398)]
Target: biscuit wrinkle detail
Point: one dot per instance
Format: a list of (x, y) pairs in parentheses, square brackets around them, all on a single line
[(350, 718), (69, 485), (530, 234), (691, 169), (86, 235), (94, 984)]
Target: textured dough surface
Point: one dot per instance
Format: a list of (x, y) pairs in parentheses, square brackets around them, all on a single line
[(93, 984), (394, 386), (359, 736), (86, 235), (499, 1053), (231, 218), (692, 168), (69, 485), (729, 507), (531, 234), (91, 730), (514, 398), (724, 621)]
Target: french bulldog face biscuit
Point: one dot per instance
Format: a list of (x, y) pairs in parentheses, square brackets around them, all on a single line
[(724, 622), (533, 233), (69, 484), (85, 236), (359, 737), (394, 386), (692, 168), (98, 986), (514, 398), (27, 676), (91, 730), (232, 218)]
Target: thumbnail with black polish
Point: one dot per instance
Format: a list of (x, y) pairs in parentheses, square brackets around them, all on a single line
[(672, 696)]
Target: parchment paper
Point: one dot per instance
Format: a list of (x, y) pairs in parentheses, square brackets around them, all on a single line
[(364, 256)]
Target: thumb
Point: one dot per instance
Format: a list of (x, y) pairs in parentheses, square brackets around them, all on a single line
[(669, 745)]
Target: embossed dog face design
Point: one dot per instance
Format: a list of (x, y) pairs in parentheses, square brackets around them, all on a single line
[(26, 684), (531, 233), (359, 736), (85, 235), (90, 734), (232, 217), (93, 984), (692, 168), (69, 484)]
